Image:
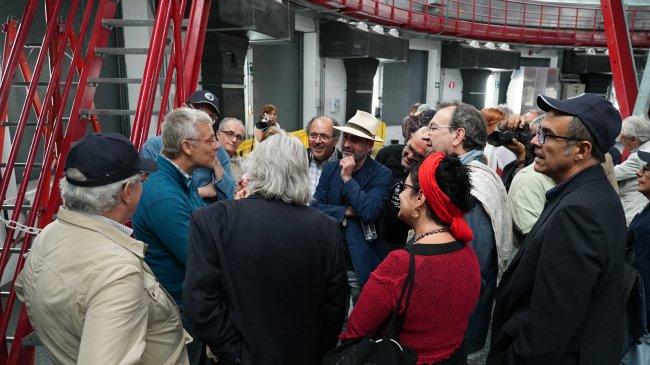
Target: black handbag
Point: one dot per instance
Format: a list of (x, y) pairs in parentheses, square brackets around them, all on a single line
[(387, 350)]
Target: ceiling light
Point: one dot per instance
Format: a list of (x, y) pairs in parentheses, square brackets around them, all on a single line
[(591, 51), (490, 45), (474, 44), (378, 29), (363, 26), (504, 46), (393, 32)]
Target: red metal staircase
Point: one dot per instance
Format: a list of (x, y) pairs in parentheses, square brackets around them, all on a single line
[(64, 115)]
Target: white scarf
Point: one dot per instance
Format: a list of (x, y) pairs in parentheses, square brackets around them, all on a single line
[(488, 189)]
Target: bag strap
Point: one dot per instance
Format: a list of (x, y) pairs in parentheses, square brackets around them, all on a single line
[(394, 328)]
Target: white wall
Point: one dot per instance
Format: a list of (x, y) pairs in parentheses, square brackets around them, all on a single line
[(335, 86), (137, 37), (449, 93), (310, 77), (433, 67)]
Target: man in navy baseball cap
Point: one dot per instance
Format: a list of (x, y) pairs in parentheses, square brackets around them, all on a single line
[(560, 298), (206, 101)]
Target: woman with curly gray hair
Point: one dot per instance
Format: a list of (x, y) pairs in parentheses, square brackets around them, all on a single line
[(635, 136)]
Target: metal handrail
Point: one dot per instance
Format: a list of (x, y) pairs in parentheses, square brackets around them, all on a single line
[(498, 20)]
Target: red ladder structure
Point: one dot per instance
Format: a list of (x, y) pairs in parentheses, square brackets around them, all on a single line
[(59, 125)]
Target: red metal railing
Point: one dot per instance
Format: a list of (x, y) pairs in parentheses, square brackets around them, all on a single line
[(54, 139), (514, 21)]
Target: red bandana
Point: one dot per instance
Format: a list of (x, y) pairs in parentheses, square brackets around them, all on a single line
[(439, 202)]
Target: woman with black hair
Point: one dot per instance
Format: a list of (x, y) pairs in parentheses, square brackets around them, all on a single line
[(433, 201)]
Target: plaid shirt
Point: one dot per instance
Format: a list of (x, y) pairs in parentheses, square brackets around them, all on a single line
[(315, 169)]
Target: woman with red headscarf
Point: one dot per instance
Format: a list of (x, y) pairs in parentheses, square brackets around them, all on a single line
[(433, 201)]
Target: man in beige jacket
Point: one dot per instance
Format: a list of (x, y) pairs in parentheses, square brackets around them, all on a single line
[(90, 296)]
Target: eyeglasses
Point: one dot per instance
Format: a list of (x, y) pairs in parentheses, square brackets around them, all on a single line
[(432, 127), (232, 135), (323, 137), (212, 140), (410, 150), (144, 176), (541, 135), (401, 186)]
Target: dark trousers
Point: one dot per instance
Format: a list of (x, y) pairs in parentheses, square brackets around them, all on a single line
[(195, 349)]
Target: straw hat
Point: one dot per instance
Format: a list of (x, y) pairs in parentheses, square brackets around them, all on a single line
[(362, 125)]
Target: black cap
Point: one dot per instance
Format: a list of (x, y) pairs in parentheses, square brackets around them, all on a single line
[(204, 97), (105, 159), (599, 115), (643, 155), (426, 117)]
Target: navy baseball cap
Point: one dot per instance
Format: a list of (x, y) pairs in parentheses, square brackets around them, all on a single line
[(204, 97), (599, 115), (104, 159), (644, 156)]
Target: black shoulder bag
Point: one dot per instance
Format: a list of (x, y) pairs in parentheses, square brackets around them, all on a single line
[(387, 350)]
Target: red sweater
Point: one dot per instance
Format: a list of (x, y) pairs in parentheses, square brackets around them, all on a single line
[(447, 286)]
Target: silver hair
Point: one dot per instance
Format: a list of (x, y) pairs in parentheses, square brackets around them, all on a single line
[(335, 132), (181, 124), (277, 169), (92, 199), (225, 122), (637, 127)]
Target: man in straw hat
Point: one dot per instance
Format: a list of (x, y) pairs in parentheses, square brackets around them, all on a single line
[(353, 191)]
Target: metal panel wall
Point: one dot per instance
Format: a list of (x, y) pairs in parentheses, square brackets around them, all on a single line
[(277, 80), (404, 84)]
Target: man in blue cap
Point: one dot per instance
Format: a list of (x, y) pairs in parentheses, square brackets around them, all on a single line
[(90, 296), (559, 301), (214, 183)]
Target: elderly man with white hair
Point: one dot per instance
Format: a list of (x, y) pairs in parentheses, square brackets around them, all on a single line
[(90, 296), (635, 136), (267, 283), (170, 196)]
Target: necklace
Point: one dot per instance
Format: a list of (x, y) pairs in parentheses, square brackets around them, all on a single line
[(440, 230)]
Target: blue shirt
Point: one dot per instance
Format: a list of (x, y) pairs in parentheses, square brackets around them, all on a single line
[(202, 176), (162, 222)]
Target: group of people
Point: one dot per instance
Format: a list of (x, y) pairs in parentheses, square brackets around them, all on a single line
[(277, 257)]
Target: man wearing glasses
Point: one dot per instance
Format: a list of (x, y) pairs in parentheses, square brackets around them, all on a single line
[(399, 158), (459, 128), (323, 138), (559, 301), (231, 133), (169, 197)]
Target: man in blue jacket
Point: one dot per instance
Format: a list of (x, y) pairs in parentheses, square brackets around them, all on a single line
[(353, 191), (168, 199)]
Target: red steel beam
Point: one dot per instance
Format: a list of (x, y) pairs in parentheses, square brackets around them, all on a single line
[(620, 55), (10, 68)]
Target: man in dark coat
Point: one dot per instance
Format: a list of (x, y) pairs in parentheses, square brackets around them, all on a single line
[(266, 279), (559, 301), (353, 191)]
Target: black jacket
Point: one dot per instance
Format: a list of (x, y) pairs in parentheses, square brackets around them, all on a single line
[(559, 301), (265, 281)]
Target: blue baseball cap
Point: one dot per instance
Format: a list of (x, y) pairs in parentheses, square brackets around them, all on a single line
[(644, 156), (597, 114), (104, 159), (204, 97)]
